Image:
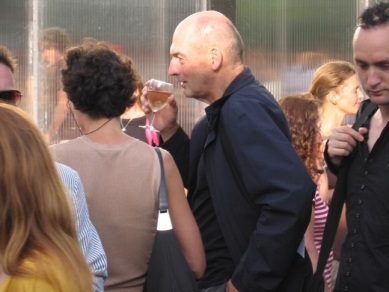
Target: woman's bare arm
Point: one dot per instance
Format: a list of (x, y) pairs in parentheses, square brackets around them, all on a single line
[(184, 224)]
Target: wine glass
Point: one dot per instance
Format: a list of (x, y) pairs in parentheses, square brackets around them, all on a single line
[(158, 93)]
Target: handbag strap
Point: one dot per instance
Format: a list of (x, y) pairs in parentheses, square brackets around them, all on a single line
[(163, 204), (338, 198)]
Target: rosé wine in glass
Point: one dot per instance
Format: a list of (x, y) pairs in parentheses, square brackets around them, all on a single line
[(157, 99), (158, 93)]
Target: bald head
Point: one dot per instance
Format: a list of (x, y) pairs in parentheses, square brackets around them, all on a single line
[(207, 53), (212, 28)]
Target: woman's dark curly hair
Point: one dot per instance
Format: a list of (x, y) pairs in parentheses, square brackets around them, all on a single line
[(302, 115), (98, 81)]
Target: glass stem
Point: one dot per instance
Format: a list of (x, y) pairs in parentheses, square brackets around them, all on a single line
[(152, 119)]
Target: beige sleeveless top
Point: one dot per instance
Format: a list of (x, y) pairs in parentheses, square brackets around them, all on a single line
[(121, 186)]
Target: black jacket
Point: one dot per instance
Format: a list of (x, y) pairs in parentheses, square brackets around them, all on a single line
[(261, 191)]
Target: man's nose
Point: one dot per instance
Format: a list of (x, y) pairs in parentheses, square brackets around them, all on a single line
[(373, 77), (173, 68)]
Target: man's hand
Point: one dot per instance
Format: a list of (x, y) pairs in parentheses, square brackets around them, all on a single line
[(230, 287), (165, 120), (342, 141)]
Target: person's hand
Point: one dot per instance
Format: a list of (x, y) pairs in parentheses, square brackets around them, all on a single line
[(230, 287), (342, 141), (165, 120)]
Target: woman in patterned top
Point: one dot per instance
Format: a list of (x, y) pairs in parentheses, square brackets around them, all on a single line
[(302, 113)]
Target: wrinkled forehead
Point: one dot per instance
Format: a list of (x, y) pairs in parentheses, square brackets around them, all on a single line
[(185, 30), (184, 38)]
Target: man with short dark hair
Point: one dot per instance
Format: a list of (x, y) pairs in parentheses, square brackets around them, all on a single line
[(364, 262)]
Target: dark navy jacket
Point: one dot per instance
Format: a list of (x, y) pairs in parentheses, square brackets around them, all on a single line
[(261, 191)]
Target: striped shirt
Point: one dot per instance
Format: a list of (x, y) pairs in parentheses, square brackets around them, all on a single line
[(321, 213), (87, 235)]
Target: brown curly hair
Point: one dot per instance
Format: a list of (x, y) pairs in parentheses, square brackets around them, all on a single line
[(302, 114), (97, 80)]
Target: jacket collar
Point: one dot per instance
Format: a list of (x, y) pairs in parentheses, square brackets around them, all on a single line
[(213, 110)]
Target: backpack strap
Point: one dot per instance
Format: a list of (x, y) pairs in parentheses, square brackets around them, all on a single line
[(338, 198)]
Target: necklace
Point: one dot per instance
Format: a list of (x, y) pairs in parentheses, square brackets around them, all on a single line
[(124, 127), (98, 127)]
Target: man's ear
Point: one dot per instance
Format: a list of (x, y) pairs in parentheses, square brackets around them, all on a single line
[(217, 59)]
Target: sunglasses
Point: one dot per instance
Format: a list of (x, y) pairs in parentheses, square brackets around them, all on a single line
[(11, 96)]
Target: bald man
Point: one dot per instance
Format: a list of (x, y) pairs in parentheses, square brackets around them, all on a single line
[(248, 190)]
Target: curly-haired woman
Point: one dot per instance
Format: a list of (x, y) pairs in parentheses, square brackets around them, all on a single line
[(121, 174), (302, 113)]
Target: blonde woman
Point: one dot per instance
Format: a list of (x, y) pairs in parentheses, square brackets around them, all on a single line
[(335, 86), (39, 250)]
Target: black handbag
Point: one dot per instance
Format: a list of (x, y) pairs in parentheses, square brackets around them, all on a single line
[(335, 210), (168, 269)]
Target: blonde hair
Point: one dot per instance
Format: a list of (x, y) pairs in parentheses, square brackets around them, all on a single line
[(37, 223), (329, 77)]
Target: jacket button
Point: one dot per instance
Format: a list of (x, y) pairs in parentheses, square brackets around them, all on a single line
[(354, 230), (359, 202), (352, 245), (357, 215), (362, 187), (350, 260), (347, 274), (346, 288)]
